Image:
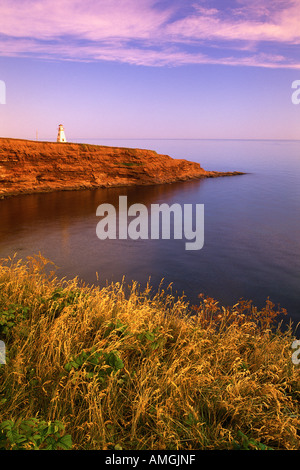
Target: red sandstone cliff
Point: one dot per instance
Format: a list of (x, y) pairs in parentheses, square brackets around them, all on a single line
[(28, 166)]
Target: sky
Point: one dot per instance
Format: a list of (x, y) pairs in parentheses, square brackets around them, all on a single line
[(142, 69)]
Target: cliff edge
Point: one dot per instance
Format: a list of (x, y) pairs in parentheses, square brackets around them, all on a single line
[(31, 166)]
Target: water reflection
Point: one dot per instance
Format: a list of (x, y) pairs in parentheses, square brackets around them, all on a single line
[(62, 227)]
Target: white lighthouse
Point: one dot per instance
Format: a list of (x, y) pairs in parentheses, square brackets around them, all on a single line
[(61, 134)]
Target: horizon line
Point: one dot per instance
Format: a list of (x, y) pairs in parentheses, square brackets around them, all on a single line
[(82, 140), (192, 138)]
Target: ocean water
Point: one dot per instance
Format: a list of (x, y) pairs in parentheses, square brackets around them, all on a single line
[(251, 226)]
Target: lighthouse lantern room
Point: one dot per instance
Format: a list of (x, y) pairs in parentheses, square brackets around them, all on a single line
[(61, 134)]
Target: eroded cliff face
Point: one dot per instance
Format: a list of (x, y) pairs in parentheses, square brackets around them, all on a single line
[(28, 166)]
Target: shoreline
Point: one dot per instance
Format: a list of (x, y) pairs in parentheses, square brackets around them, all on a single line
[(83, 188), (28, 167)]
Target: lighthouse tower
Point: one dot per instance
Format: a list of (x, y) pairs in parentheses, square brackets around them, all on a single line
[(61, 134)]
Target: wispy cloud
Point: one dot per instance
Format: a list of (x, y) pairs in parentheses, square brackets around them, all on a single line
[(258, 21), (260, 33)]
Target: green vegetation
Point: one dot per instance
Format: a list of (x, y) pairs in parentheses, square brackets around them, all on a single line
[(128, 163), (88, 147), (93, 368), (32, 434)]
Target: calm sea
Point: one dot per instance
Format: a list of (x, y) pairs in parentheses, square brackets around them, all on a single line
[(251, 232)]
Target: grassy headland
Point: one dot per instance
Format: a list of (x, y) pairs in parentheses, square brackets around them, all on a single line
[(33, 167), (139, 371)]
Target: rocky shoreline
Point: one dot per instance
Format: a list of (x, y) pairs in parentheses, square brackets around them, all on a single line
[(34, 166)]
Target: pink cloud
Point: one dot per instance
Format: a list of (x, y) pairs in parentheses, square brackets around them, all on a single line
[(257, 22), (92, 20), (137, 32)]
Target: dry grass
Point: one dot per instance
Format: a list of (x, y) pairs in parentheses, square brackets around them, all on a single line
[(188, 379)]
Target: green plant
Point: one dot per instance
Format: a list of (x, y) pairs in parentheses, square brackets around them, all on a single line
[(32, 434), (10, 314), (153, 339), (59, 299), (246, 443), (99, 364), (117, 327), (128, 164)]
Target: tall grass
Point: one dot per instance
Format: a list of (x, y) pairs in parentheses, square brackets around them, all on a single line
[(143, 370)]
